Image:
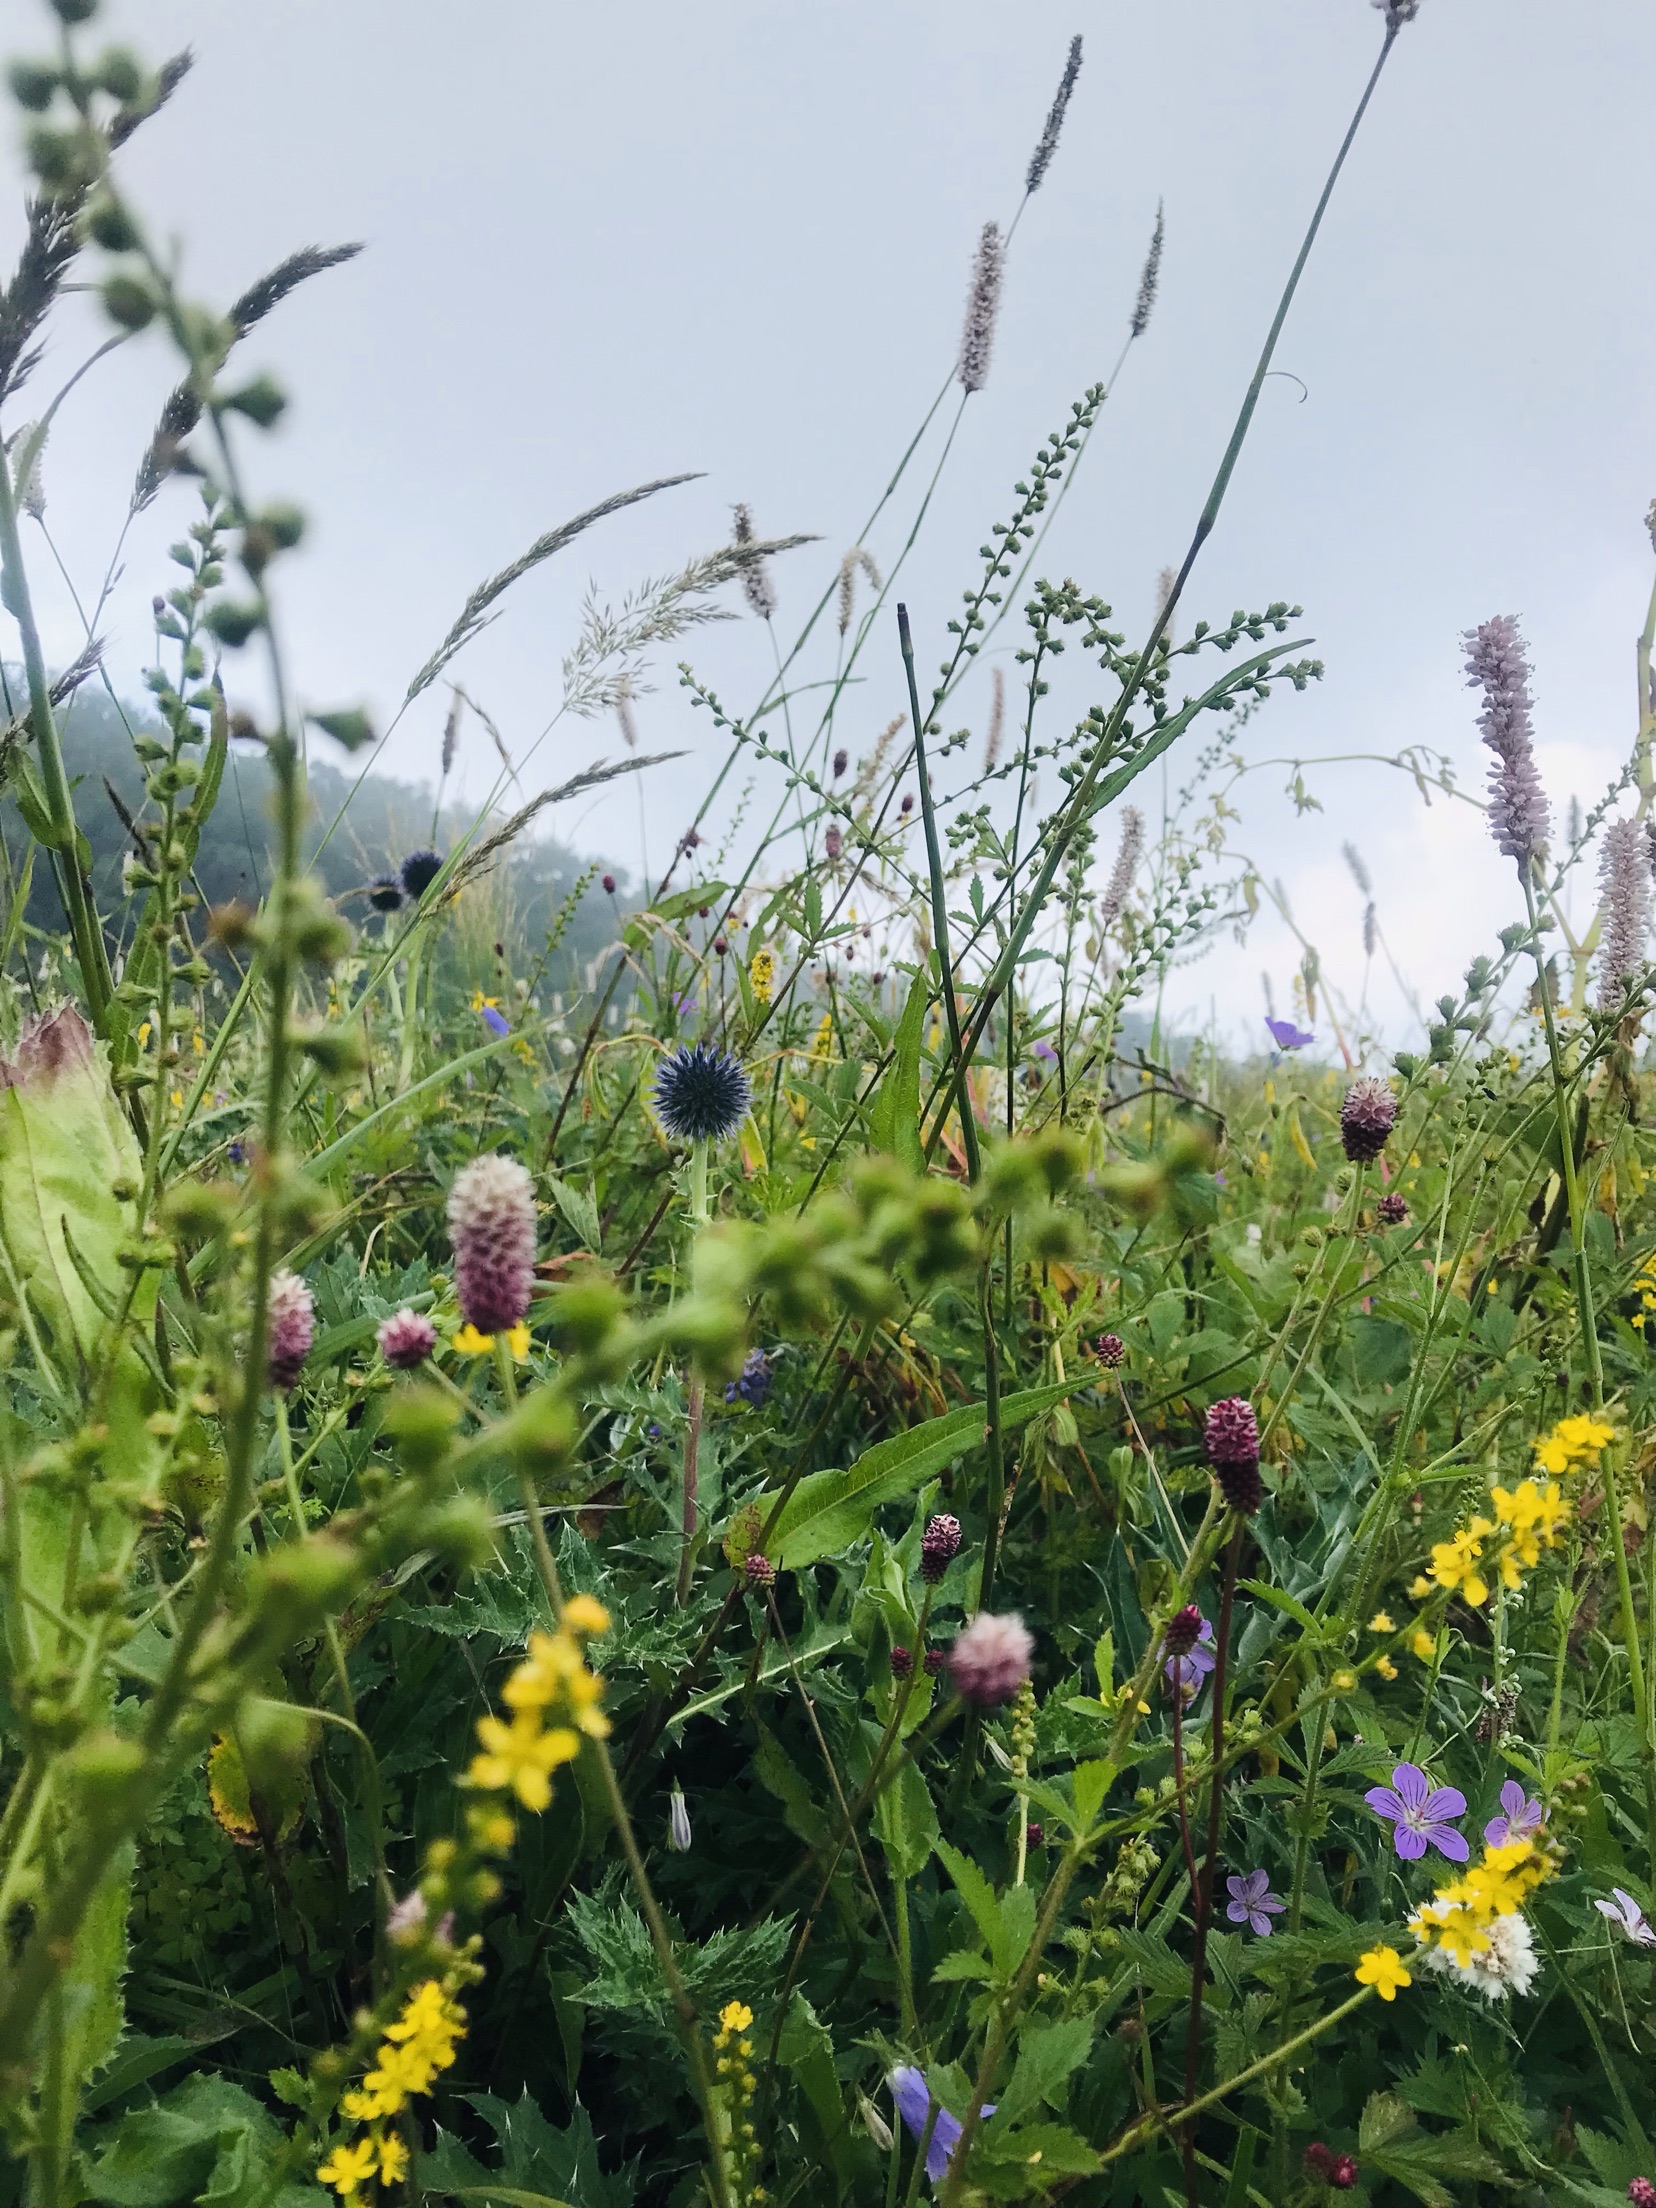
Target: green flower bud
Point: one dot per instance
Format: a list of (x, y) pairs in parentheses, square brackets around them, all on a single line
[(419, 1421), (129, 300)]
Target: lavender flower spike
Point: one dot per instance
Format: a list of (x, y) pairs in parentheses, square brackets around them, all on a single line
[(1497, 663), (1625, 885), (914, 2104), (1252, 1903), (1420, 1812), (406, 1339), (977, 336), (1520, 1819), (1125, 868)]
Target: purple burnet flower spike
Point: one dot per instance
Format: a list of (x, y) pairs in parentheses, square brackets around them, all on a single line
[(1520, 1819), (1230, 1435), (292, 1328), (1420, 1814), (1366, 1119), (1252, 1903), (406, 1339), (939, 1546), (491, 1216), (1624, 881), (1189, 1638)]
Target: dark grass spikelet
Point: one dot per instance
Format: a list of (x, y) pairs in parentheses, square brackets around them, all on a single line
[(1366, 1119), (1047, 144), (977, 334), (1150, 279), (701, 1094), (939, 1546), (1625, 885), (1497, 664), (757, 587)]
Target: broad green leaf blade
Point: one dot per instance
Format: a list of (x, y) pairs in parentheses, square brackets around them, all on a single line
[(830, 1510), (895, 1116)]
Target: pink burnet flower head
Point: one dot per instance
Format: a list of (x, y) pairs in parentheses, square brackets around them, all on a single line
[(939, 1546), (491, 1216), (1641, 2192), (406, 1339), (1230, 1435), (1366, 1118), (990, 1661), (292, 1328)]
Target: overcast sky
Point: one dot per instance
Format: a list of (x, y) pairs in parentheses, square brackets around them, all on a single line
[(605, 244)]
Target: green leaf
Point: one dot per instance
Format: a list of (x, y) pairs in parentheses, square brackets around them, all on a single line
[(974, 1890), (1092, 1783), (579, 1210), (1381, 1350), (906, 1822), (1384, 2119), (349, 726), (894, 1116), (830, 1510), (1047, 2056), (806, 2050)]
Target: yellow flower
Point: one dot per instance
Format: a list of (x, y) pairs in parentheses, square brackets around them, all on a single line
[(1420, 1588), (350, 2166), (1424, 1644), (585, 1614), (480, 1002), (143, 1033), (1533, 1514), (176, 1100), (1381, 1622), (1382, 1968), (522, 1757), (1343, 1682), (762, 976), (470, 1343), (393, 2159), (822, 1044), (735, 2016), (1455, 1562), (1573, 1444), (1385, 1667)]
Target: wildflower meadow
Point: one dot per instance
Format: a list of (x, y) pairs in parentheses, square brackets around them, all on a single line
[(748, 1538)]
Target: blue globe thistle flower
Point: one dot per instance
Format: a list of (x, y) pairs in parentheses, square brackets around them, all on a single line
[(419, 870), (701, 1094)]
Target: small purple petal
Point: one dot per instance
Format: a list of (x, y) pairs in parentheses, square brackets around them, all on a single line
[(1260, 1924), (1287, 1036), (1497, 1832), (1412, 1785), (1385, 1803), (1446, 1840), (1513, 1799), (1443, 1802), (1411, 1845), (1237, 1911)]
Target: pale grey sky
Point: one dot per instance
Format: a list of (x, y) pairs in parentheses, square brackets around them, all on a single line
[(611, 243)]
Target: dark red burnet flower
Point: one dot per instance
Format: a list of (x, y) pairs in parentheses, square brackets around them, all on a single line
[(1642, 2193), (902, 1662), (1184, 1630), (939, 1545), (1110, 1350), (1344, 2173), (933, 1662), (1230, 1435), (1329, 2168), (1392, 1210), (1034, 1835), (760, 1571), (1366, 1118), (609, 884)]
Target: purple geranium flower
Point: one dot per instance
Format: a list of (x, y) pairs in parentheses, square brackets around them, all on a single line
[(1522, 1818), (1420, 1813), (1252, 1903), (1045, 1050), (1628, 1918), (1188, 1671), (1287, 1036), (496, 1022), (914, 2105)]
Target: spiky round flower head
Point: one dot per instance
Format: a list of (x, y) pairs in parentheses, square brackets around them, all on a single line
[(1111, 1351), (292, 1328), (1366, 1118), (760, 1571), (491, 1217), (977, 336), (419, 870), (1392, 1210), (1230, 1436), (406, 1339), (385, 893), (902, 1662), (1625, 885), (701, 1094), (1497, 664), (933, 1662), (1641, 2192), (1184, 1630), (939, 1545), (990, 1661)]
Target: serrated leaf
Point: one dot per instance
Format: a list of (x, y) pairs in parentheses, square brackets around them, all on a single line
[(1093, 1780), (579, 1210), (1048, 2054), (906, 1821)]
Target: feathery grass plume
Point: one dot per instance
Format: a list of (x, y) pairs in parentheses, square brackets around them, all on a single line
[(1398, 12), (1359, 871), (858, 556), (1371, 929), (870, 770), (1047, 144), (1497, 663), (997, 719), (977, 335), (757, 587), (1125, 868), (1150, 280), (1625, 885), (626, 718), (451, 728)]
